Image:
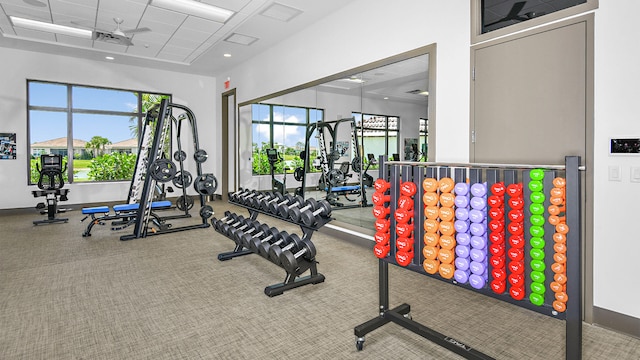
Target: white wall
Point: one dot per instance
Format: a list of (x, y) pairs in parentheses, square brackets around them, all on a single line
[(371, 30), (195, 92), (616, 238)]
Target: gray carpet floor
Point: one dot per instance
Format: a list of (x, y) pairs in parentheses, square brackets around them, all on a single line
[(63, 296)]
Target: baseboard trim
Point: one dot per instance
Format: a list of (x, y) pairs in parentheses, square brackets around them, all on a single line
[(616, 321)]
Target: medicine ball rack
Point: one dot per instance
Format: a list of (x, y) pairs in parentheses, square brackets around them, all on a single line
[(416, 172), (293, 278)]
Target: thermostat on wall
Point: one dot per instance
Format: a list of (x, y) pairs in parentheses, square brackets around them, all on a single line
[(624, 146)]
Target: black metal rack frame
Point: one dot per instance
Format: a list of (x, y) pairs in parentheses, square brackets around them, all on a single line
[(416, 172), (291, 280)]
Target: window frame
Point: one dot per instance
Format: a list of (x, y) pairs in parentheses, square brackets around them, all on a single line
[(478, 37), (70, 111), (271, 123)]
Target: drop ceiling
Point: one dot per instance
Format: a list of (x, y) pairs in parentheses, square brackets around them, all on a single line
[(176, 41)]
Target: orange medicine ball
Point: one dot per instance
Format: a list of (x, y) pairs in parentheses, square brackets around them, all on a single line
[(446, 185), (431, 226), (431, 212), (430, 184), (431, 239), (430, 199), (431, 266), (447, 199), (446, 270)]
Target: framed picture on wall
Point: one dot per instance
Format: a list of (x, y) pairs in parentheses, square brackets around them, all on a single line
[(8, 146)]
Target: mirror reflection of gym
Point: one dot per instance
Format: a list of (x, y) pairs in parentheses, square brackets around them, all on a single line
[(388, 103)]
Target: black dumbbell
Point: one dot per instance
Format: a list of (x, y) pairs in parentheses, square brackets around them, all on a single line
[(223, 228), (256, 203), (290, 243), (264, 204), (229, 217), (254, 242), (279, 238), (238, 195), (234, 195), (284, 206), (296, 213), (247, 224), (246, 196), (289, 199), (258, 230), (310, 218), (252, 202), (289, 259), (283, 210)]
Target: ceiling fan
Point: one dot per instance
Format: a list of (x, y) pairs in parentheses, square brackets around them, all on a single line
[(118, 35), (514, 14)]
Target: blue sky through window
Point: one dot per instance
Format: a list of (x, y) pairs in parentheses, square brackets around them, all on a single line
[(48, 125)]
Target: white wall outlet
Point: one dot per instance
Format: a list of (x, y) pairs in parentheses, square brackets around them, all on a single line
[(635, 174), (614, 173)]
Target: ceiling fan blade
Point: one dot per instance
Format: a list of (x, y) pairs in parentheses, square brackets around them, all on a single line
[(515, 10), (512, 15), (136, 31)]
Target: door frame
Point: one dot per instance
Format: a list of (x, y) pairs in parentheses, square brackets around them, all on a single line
[(587, 178), (224, 177)]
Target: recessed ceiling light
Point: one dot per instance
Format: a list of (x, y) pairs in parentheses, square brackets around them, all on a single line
[(424, 93), (49, 27), (227, 55), (386, 98), (109, 57), (241, 39), (195, 8)]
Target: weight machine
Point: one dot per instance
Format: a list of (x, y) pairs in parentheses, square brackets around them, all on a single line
[(50, 183), (153, 168), (332, 180)]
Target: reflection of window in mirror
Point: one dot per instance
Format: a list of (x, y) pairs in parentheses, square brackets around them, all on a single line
[(424, 140), (379, 134)]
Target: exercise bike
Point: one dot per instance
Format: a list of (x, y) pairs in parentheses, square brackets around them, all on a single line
[(50, 182)]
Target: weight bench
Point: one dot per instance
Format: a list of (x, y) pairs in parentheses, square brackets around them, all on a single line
[(126, 213)]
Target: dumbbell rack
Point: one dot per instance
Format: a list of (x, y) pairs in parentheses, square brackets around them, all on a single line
[(412, 171), (291, 280)]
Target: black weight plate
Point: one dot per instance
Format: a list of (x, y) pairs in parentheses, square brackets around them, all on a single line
[(334, 155), (356, 164), (298, 174), (206, 211), (336, 176), (206, 184), (179, 155), (162, 170), (178, 179), (184, 202), (200, 156)]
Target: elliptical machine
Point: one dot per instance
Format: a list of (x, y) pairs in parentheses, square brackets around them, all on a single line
[(276, 185), (50, 183)]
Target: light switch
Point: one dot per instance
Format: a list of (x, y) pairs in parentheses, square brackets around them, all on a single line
[(614, 173), (635, 174)]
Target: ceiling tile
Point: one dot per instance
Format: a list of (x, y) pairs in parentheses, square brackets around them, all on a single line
[(28, 12), (233, 5)]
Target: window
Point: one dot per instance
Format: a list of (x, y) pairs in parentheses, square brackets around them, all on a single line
[(283, 128), (497, 14), (492, 19), (379, 134), (95, 129)]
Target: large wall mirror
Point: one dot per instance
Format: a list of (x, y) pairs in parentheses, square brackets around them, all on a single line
[(324, 140)]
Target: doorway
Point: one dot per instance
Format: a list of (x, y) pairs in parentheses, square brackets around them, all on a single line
[(229, 177)]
